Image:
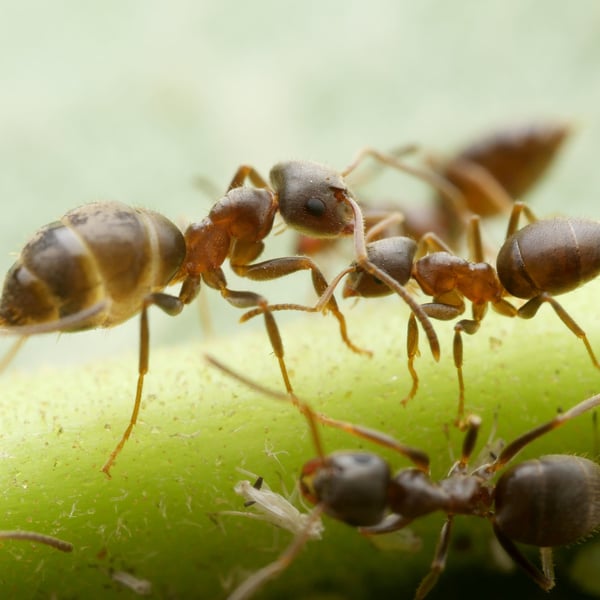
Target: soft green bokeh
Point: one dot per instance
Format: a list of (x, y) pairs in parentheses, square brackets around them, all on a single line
[(131, 101), (196, 429)]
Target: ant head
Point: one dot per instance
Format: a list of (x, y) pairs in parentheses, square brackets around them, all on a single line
[(351, 486), (393, 255), (313, 199)]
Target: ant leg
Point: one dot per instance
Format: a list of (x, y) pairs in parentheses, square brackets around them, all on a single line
[(547, 561), (249, 587), (389, 524), (435, 310), (418, 457), (473, 423), (430, 242), (40, 538), (369, 173), (477, 183), (12, 352), (243, 299), (387, 220), (510, 450), (530, 308), (362, 260), (439, 561), (468, 326), (513, 222), (412, 351), (247, 172), (545, 582), (172, 305), (474, 239), (280, 267), (444, 187)]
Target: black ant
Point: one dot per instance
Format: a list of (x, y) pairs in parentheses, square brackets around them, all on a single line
[(105, 262), (545, 502), (543, 259)]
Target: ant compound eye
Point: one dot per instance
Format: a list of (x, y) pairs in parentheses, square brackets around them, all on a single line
[(315, 207)]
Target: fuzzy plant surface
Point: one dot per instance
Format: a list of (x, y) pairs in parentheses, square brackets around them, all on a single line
[(153, 529)]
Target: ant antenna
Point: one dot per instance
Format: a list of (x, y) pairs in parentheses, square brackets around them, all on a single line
[(418, 457)]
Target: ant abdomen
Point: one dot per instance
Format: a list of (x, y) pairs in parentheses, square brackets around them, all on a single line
[(101, 251), (550, 501), (553, 256)]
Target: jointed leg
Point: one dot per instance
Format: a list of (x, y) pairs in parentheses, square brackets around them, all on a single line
[(439, 561), (418, 457), (542, 579), (280, 267), (247, 172), (172, 305), (517, 445), (530, 308), (249, 587), (513, 222)]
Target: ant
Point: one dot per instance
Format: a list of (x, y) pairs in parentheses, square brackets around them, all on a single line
[(39, 538), (105, 262), (514, 157), (489, 173), (537, 262), (358, 488)]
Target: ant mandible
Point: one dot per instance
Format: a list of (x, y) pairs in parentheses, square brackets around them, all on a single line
[(105, 262), (358, 489)]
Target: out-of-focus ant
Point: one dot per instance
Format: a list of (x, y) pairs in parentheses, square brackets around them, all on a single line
[(545, 502), (105, 262), (38, 538), (514, 158), (490, 173), (537, 262)]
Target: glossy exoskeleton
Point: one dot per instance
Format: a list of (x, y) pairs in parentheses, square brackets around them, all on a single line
[(489, 174), (105, 262), (550, 501), (98, 266), (535, 263)]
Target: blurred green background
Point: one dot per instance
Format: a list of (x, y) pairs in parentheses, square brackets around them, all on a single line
[(132, 101)]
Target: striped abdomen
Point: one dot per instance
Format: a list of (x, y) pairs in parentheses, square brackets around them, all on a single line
[(105, 251)]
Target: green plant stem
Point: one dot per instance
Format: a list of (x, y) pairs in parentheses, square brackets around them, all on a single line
[(196, 428)]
